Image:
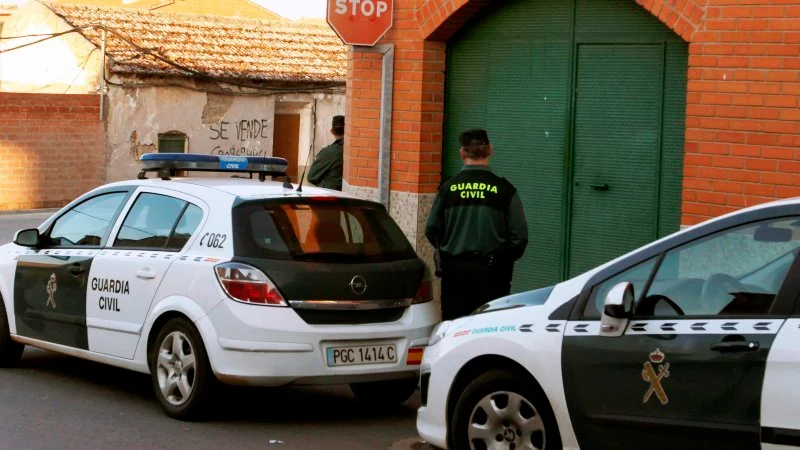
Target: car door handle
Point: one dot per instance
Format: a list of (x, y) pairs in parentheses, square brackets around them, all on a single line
[(599, 187), (76, 270), (147, 274), (735, 346)]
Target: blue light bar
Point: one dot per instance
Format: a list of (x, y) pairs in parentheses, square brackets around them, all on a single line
[(167, 163)]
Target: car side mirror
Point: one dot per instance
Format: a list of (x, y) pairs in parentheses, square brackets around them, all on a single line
[(617, 310), (27, 238)]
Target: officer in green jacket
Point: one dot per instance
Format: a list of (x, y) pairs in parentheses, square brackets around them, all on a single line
[(479, 228), (326, 171)]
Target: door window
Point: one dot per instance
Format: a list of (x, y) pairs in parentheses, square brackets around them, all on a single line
[(151, 223), (186, 227), (734, 272), (87, 223)]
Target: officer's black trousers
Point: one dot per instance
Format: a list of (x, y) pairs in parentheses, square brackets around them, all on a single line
[(468, 283)]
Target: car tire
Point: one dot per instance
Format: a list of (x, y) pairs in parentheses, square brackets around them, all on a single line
[(385, 393), (499, 388), (182, 377), (10, 351)]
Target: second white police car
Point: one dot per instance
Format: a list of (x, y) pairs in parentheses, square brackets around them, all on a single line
[(202, 280), (691, 342)]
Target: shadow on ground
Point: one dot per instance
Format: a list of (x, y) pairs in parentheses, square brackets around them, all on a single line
[(240, 404)]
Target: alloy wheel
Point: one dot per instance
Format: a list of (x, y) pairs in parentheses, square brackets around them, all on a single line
[(176, 368), (506, 420)]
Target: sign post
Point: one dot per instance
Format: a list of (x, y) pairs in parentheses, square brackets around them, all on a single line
[(360, 22)]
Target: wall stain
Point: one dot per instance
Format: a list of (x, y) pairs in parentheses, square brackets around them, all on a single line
[(216, 107), (137, 149)]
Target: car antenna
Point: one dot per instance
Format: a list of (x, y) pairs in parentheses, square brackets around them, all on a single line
[(300, 185)]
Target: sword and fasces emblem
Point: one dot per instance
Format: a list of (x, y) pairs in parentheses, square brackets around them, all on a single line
[(51, 291), (654, 376)]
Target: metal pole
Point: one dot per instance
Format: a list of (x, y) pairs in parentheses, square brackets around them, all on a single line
[(103, 76), (385, 150), (385, 153)]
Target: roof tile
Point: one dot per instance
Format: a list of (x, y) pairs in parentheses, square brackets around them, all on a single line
[(231, 8), (231, 48)]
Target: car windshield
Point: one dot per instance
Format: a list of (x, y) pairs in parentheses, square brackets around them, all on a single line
[(326, 229)]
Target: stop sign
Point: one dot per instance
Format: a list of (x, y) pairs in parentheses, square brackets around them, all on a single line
[(360, 22)]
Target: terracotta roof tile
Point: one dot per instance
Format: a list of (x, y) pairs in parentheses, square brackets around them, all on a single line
[(230, 8), (258, 50)]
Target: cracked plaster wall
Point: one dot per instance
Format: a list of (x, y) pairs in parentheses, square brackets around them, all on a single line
[(212, 123), (216, 124)]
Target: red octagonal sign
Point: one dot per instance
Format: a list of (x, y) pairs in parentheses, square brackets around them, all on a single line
[(360, 22)]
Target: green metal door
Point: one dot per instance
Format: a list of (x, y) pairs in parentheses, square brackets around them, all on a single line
[(572, 92), (616, 148)]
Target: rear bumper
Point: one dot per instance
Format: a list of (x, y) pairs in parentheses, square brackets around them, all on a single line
[(266, 346)]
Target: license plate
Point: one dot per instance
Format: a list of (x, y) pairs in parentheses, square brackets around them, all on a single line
[(361, 355)]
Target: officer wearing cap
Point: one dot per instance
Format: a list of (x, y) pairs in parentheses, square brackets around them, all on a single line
[(326, 171), (479, 229)]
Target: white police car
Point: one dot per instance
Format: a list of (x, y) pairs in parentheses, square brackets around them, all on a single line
[(691, 342), (243, 281)]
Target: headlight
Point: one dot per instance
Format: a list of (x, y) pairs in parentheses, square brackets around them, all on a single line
[(439, 332)]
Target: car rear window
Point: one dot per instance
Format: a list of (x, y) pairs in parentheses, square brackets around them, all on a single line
[(326, 229)]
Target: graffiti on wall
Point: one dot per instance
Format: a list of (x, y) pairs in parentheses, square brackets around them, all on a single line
[(240, 138)]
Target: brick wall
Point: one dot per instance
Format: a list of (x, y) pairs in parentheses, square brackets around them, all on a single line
[(743, 121), (417, 114), (743, 111), (52, 149)]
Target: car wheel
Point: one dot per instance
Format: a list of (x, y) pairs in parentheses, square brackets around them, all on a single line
[(10, 351), (386, 392), (182, 377), (503, 409)]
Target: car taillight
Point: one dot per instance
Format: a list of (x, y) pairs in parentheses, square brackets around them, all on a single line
[(424, 292), (247, 284)]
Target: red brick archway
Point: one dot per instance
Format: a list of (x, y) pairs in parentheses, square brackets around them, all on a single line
[(438, 20)]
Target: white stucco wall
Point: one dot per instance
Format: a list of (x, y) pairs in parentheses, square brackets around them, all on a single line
[(68, 64), (319, 108), (214, 123)]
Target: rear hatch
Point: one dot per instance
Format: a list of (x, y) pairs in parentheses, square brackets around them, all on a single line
[(334, 260)]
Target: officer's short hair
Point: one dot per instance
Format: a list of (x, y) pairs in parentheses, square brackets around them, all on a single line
[(475, 143), (337, 124)]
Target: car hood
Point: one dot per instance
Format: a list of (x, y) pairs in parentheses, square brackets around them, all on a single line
[(536, 297)]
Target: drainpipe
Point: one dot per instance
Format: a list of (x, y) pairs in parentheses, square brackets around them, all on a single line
[(103, 77), (385, 150)]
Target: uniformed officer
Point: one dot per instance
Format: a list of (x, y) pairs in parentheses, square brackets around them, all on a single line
[(326, 171), (479, 229)]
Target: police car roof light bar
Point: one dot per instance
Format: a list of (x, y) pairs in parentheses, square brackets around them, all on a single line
[(167, 164)]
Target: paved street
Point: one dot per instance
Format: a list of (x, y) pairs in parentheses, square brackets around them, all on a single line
[(10, 223), (53, 401)]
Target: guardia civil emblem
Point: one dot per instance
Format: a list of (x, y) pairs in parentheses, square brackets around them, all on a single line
[(654, 371), (51, 291)]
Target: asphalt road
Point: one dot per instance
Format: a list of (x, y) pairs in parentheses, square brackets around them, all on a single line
[(10, 223), (57, 402)]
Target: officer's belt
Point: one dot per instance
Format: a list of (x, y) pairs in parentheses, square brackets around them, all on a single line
[(473, 257)]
